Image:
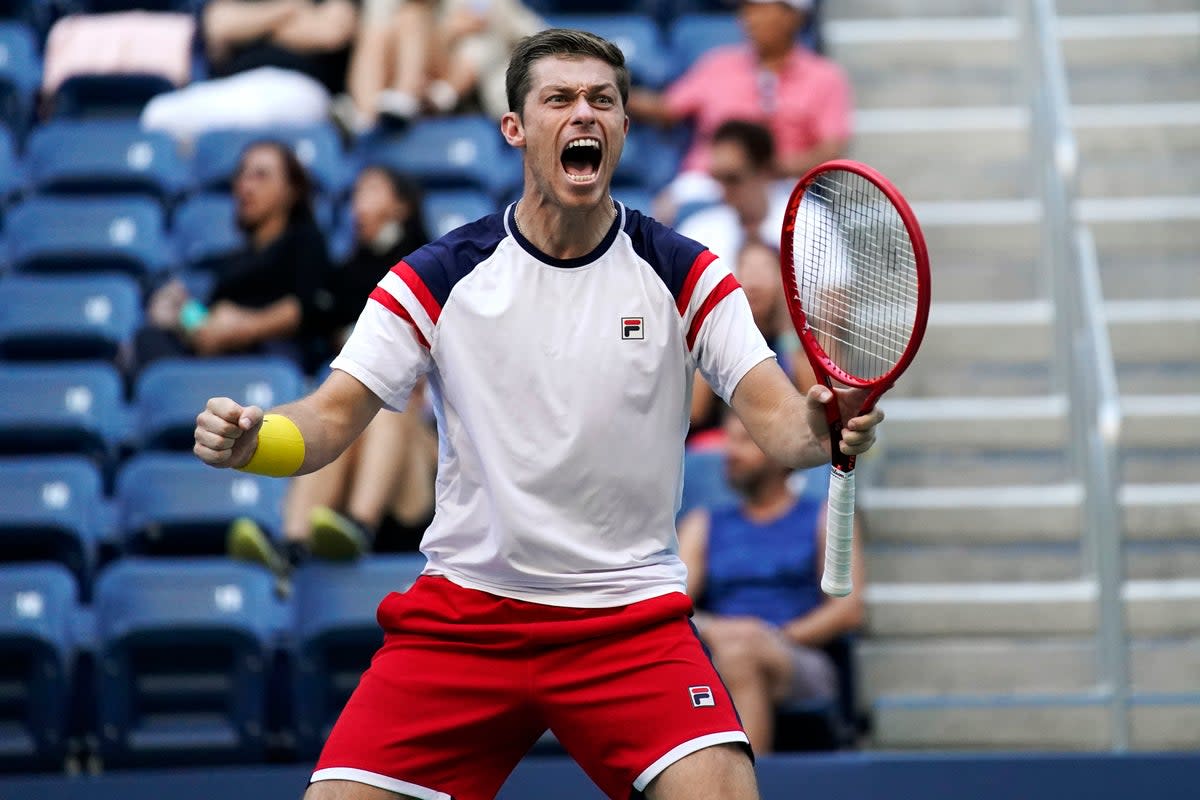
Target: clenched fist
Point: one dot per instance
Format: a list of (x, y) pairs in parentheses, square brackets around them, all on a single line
[(227, 433)]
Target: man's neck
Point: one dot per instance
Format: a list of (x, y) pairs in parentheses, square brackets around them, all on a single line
[(560, 233), (774, 61), (769, 502), (270, 230), (755, 213)]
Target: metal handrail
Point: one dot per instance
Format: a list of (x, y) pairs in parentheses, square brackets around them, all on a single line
[(1084, 362)]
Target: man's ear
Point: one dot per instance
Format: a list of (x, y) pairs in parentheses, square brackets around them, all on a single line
[(513, 129)]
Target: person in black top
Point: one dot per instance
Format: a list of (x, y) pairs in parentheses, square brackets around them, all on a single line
[(262, 294)]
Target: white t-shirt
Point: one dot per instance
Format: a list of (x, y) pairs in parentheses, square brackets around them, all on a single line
[(718, 228), (561, 390)]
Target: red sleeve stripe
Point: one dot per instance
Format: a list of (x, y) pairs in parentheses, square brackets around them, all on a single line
[(381, 296), (693, 277), (419, 289), (727, 285)]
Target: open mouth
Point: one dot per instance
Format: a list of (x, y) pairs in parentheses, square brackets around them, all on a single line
[(581, 160)]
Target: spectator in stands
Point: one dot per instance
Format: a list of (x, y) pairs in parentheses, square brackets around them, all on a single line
[(273, 61), (379, 493), (262, 294), (752, 203), (754, 572), (804, 98), (758, 272), (430, 56)]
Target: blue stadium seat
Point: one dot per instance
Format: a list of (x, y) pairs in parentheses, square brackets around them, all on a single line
[(184, 649), (102, 97), (104, 157), (77, 234), (170, 393), (74, 407), (172, 504), (692, 35), (650, 159), (317, 147), (37, 602), (704, 484), (52, 509), (12, 172), (336, 634), (448, 209), (205, 230), (54, 317), (449, 152), (20, 75), (638, 37), (634, 197)]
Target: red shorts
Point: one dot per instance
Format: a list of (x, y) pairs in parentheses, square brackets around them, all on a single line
[(466, 682)]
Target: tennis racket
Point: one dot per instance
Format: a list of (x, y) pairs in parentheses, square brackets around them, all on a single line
[(856, 275)]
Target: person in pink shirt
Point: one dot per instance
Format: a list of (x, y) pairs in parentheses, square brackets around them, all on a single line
[(803, 98)]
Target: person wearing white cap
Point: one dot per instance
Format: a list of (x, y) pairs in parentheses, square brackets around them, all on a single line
[(802, 97)]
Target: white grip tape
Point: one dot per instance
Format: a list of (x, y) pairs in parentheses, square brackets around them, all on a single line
[(839, 534)]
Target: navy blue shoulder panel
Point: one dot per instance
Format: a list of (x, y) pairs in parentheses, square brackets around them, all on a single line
[(444, 262), (669, 253)]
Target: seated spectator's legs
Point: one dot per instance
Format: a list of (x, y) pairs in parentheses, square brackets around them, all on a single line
[(325, 488), (395, 470), (763, 669), (372, 59), (412, 33), (259, 98)]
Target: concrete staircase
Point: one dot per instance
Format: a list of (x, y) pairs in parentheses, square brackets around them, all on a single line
[(982, 609)]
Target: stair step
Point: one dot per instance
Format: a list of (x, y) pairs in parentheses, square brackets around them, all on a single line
[(951, 467), (1153, 608)]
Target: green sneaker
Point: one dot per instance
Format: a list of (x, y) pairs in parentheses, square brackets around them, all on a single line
[(335, 537), (246, 541)]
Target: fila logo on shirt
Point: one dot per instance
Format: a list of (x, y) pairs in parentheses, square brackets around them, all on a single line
[(701, 696), (631, 328)]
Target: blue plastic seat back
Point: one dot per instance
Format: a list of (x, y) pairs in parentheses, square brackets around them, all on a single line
[(450, 152), (317, 147), (109, 96), (650, 159), (172, 504), (52, 510), (184, 650), (639, 37), (205, 230), (170, 393), (104, 157), (12, 172), (37, 602), (690, 36), (57, 317), (704, 484), (634, 197), (75, 407), (20, 75), (88, 234), (336, 634), (447, 209)]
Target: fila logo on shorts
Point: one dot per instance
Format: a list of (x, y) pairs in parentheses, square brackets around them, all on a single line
[(631, 328), (701, 696)]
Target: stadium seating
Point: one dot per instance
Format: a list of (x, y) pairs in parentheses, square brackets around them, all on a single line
[(650, 159), (37, 602), (336, 634), (448, 209), (12, 175), (449, 152), (104, 157), (52, 510), (173, 504), (704, 482), (76, 234), (692, 35), (184, 646), (99, 97), (55, 317), (20, 75), (73, 407), (634, 197), (170, 393), (205, 231), (638, 37), (317, 147)]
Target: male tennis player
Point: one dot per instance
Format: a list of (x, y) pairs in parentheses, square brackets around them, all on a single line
[(558, 338)]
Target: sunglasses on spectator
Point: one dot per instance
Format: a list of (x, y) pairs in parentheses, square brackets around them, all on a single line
[(729, 178)]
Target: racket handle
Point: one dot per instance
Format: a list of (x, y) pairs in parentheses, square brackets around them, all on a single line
[(839, 534)]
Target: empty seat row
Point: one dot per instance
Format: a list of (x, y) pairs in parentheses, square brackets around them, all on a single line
[(181, 660)]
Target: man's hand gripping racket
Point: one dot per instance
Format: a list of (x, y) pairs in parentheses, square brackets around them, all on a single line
[(856, 275)]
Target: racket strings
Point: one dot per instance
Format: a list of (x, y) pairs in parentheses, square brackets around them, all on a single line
[(856, 273)]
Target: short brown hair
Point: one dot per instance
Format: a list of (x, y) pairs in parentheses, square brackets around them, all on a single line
[(560, 42)]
